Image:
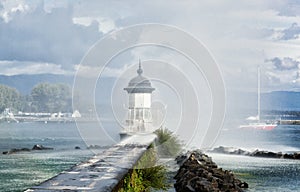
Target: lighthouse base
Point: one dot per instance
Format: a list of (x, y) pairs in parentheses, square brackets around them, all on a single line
[(124, 135)]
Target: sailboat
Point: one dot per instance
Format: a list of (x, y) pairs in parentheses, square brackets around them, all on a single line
[(258, 125)]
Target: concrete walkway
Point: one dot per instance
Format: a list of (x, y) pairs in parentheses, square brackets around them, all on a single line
[(102, 172)]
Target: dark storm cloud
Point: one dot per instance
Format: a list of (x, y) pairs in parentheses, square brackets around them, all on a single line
[(46, 37), (286, 63)]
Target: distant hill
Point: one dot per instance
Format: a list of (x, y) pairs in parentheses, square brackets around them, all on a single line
[(24, 83), (277, 100)]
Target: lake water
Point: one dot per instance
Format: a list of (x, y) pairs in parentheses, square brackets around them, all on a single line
[(22, 170), (263, 174), (284, 138)]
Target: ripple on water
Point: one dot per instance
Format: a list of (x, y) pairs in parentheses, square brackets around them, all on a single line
[(263, 174), (20, 171)]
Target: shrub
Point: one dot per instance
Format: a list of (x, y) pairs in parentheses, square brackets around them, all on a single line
[(167, 143), (146, 175)]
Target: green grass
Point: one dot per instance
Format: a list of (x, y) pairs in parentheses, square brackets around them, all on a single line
[(146, 174), (168, 145)]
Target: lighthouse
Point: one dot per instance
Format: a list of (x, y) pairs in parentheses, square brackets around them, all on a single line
[(139, 118)]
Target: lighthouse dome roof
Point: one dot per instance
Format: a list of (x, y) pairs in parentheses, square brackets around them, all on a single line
[(139, 81), (139, 84)]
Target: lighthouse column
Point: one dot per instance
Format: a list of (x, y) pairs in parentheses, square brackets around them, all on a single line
[(139, 116)]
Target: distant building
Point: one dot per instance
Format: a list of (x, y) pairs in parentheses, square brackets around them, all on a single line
[(139, 110)]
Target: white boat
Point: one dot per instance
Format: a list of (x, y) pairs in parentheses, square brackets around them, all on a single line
[(258, 125)]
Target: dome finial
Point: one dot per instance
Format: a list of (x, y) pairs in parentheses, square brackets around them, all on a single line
[(140, 70)]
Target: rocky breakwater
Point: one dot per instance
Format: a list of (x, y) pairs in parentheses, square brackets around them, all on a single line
[(256, 153), (198, 172), (34, 148)]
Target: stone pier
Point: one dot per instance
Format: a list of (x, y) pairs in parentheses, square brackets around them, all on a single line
[(104, 171)]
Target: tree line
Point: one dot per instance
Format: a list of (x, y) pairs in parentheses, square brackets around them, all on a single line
[(44, 97)]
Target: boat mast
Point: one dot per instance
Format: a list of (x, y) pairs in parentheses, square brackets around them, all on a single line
[(258, 93)]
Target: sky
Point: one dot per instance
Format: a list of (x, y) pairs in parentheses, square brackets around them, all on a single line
[(53, 36), (58, 37)]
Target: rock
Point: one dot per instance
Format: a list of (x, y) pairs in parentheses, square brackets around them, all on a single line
[(198, 172), (41, 147), (17, 150), (14, 150), (181, 158), (241, 152), (267, 154), (279, 155), (95, 147), (243, 185), (229, 150), (297, 155), (256, 153), (288, 156), (219, 149)]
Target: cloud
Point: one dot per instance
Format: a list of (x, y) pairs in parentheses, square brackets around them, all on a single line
[(39, 36), (291, 32), (286, 63), (8, 9), (282, 78), (20, 67), (105, 24), (240, 35), (95, 72), (284, 73), (290, 8), (236, 33)]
